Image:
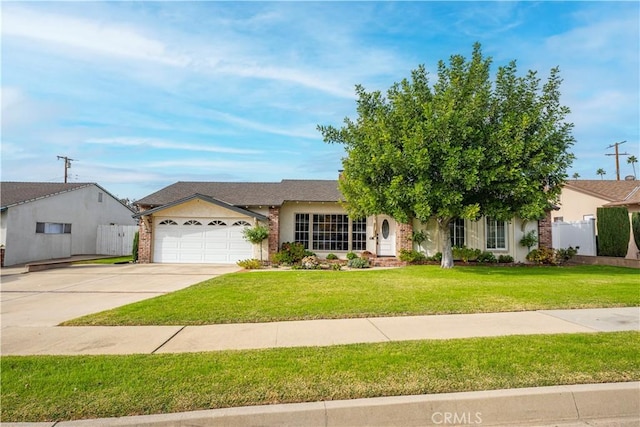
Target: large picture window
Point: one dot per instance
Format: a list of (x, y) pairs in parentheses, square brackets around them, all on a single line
[(456, 227), (53, 228), (496, 234), (330, 232)]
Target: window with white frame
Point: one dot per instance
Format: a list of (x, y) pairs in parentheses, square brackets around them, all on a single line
[(53, 228), (358, 234), (456, 228), (496, 234), (301, 231), (330, 232)]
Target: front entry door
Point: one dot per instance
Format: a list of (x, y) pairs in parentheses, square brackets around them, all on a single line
[(386, 227)]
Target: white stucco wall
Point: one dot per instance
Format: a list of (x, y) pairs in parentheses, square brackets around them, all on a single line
[(475, 237), (80, 208)]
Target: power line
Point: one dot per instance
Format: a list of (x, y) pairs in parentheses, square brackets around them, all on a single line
[(617, 157)]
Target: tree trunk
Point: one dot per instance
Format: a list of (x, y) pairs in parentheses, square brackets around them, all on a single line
[(445, 235)]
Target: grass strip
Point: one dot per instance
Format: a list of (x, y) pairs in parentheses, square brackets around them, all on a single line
[(50, 388), (301, 295)]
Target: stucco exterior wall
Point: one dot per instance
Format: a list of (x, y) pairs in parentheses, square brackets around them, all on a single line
[(475, 237), (80, 208), (575, 206)]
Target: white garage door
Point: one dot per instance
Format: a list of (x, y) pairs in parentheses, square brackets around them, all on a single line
[(201, 240)]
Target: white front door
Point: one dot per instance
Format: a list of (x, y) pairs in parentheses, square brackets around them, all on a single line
[(386, 228)]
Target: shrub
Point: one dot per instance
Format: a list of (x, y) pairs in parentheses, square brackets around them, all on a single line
[(613, 231), (529, 240), (366, 255), (358, 263), (249, 264), (464, 254), (291, 253), (351, 255), (487, 257), (505, 259), (136, 244), (256, 235), (332, 256), (435, 257), (310, 262), (336, 267), (411, 256), (635, 225), (564, 255), (542, 256)]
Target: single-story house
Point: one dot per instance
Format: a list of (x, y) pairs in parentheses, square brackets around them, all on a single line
[(581, 198), (44, 220), (203, 222)]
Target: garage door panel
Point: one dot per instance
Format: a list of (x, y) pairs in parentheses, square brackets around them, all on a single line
[(201, 244)]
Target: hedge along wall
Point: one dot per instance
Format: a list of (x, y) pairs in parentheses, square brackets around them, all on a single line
[(613, 231)]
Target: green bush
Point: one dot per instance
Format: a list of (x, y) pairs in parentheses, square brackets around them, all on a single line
[(613, 231), (351, 255), (635, 225), (358, 263), (411, 256), (136, 244), (542, 256), (332, 256), (291, 253), (249, 264), (505, 259), (436, 257), (487, 257), (464, 254), (336, 267), (564, 255), (529, 240)]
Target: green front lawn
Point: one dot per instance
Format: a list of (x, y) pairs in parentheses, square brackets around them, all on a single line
[(48, 388), (289, 295), (112, 260)]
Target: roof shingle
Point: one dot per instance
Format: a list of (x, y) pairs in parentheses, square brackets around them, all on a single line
[(13, 193), (248, 193), (613, 191)]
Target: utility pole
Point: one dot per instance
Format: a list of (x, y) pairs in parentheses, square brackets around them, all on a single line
[(617, 157), (67, 165)]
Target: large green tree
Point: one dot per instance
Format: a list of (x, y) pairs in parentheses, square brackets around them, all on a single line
[(464, 147)]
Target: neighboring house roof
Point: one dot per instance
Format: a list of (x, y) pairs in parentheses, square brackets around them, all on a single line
[(248, 193), (618, 192), (16, 193)]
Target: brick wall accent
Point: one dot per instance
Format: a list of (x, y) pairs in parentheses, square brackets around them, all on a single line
[(145, 239), (544, 231), (274, 230), (403, 237), (1, 257)]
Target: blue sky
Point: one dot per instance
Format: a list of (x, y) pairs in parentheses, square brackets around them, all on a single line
[(144, 94)]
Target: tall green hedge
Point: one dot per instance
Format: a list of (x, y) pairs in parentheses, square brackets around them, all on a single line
[(613, 231), (635, 225)]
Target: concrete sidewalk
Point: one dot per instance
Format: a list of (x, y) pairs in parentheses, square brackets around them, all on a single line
[(17, 340)]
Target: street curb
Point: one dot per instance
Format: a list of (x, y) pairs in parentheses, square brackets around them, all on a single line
[(526, 406)]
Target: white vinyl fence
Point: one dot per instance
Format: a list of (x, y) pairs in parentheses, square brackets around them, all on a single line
[(115, 239), (579, 233)]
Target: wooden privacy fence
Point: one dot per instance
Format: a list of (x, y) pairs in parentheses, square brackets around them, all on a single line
[(115, 240), (579, 233)]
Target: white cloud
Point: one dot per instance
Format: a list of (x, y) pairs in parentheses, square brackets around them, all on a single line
[(167, 145)]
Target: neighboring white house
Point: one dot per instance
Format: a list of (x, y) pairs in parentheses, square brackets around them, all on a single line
[(41, 220), (202, 222)]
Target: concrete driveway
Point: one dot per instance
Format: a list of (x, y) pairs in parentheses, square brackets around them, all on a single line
[(46, 298)]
